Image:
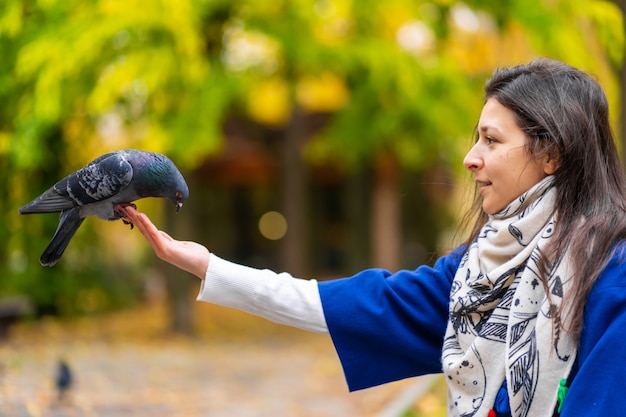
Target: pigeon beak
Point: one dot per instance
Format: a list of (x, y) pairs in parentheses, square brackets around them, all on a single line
[(179, 205)]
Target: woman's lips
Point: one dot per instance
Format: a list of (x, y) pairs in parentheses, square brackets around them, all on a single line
[(483, 184)]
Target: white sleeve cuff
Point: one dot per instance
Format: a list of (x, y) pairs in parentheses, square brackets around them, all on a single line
[(280, 298)]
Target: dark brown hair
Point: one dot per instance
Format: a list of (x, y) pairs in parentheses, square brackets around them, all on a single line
[(565, 114)]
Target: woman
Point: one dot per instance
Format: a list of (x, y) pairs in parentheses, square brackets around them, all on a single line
[(530, 308)]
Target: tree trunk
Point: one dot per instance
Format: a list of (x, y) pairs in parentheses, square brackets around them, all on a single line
[(179, 284), (385, 216), (293, 191), (357, 195)]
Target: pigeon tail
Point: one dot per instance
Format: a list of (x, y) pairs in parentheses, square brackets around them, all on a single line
[(68, 225)]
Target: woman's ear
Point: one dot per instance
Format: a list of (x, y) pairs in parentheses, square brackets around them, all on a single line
[(550, 165)]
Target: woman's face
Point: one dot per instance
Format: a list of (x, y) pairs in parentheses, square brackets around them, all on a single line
[(500, 161)]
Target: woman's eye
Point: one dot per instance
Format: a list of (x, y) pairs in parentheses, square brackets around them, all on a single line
[(489, 140)]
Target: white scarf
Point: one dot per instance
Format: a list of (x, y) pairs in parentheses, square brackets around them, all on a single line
[(500, 324)]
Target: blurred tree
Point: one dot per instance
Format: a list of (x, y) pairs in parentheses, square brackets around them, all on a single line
[(622, 80), (82, 78), (399, 80)]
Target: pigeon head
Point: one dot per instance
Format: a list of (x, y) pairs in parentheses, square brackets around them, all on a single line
[(181, 193), (157, 176), (175, 189)]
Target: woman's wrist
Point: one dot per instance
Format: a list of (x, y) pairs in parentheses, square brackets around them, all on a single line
[(203, 265)]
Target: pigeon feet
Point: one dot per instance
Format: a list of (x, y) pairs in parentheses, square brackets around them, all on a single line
[(121, 210)]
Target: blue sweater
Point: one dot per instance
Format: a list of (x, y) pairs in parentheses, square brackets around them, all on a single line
[(387, 327)]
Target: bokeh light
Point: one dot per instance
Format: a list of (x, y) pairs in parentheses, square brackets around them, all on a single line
[(273, 225)]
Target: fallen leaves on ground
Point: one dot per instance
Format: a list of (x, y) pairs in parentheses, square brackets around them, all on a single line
[(128, 364)]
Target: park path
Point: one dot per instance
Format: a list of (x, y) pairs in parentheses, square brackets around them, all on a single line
[(126, 364)]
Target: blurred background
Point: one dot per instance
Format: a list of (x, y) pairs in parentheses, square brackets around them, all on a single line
[(319, 137)]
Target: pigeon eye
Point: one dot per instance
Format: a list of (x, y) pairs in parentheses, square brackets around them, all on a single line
[(179, 195)]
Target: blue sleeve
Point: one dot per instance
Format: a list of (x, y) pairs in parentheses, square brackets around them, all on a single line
[(598, 386), (387, 327)]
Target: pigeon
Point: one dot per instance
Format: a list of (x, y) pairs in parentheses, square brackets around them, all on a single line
[(104, 188), (62, 379)]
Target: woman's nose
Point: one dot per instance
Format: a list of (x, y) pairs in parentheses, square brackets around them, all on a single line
[(472, 160)]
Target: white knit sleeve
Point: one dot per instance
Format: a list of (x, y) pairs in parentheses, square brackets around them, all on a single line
[(280, 298)]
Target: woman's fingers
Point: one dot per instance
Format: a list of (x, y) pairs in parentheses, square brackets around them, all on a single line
[(142, 222), (189, 256)]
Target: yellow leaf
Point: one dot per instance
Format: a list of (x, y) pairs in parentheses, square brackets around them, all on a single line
[(323, 93), (268, 101), (5, 142)]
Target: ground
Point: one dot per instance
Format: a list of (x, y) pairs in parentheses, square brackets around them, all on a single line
[(127, 364)]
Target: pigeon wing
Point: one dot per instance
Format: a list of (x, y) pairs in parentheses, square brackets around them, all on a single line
[(99, 180)]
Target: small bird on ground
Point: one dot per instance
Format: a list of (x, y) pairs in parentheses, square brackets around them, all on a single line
[(62, 379), (104, 188)]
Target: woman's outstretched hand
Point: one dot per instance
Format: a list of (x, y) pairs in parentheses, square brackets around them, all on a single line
[(188, 256)]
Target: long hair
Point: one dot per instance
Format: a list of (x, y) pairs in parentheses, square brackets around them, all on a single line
[(565, 115)]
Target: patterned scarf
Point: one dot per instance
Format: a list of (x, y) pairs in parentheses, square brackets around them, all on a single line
[(500, 324)]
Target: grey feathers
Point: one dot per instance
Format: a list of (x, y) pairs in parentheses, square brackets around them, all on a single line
[(103, 188)]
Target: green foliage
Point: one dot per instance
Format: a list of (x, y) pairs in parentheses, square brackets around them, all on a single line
[(82, 77)]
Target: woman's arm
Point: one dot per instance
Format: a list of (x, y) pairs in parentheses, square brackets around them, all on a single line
[(387, 327)]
